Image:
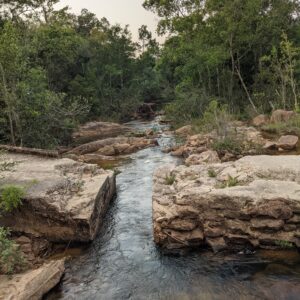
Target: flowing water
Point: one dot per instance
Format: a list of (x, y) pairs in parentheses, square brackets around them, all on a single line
[(124, 263)]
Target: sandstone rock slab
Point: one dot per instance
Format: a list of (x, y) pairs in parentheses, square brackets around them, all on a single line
[(288, 142), (98, 130), (251, 202), (32, 285), (64, 200)]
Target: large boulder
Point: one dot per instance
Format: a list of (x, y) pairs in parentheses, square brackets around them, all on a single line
[(281, 115), (205, 157), (97, 131), (34, 284), (251, 203), (288, 142), (185, 130), (64, 200), (260, 120)]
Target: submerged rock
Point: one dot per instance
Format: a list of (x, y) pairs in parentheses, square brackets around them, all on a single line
[(248, 203), (34, 284), (64, 200)]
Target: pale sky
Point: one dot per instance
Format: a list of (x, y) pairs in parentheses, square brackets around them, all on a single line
[(117, 11)]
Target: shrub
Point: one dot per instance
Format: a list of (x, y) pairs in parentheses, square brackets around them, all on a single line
[(170, 179), (216, 117), (11, 259), (212, 173), (284, 244), (230, 144), (11, 198)]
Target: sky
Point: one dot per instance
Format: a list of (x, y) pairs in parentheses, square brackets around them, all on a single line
[(122, 12)]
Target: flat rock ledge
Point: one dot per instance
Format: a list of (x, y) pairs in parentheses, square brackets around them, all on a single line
[(64, 200), (250, 203), (33, 284)]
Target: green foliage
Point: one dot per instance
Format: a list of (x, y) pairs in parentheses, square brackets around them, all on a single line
[(218, 50), (11, 259), (212, 173), (58, 70), (170, 179), (230, 182), (11, 197), (284, 244), (230, 144), (216, 117)]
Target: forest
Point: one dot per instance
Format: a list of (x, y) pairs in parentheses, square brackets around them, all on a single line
[(58, 70)]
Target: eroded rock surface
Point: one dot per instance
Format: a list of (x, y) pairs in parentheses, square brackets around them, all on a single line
[(33, 284), (98, 130), (64, 200), (253, 202), (111, 147)]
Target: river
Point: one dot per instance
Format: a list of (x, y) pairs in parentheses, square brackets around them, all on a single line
[(124, 263)]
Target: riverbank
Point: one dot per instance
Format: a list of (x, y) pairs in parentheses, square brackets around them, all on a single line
[(124, 261)]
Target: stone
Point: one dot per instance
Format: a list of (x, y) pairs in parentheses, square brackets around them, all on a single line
[(260, 120), (178, 152), (95, 158), (113, 146), (34, 284), (206, 157), (258, 210), (267, 224), (184, 131), (64, 200), (288, 142), (98, 130), (281, 115), (269, 145)]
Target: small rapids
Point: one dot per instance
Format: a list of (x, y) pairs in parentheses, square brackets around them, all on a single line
[(124, 263)]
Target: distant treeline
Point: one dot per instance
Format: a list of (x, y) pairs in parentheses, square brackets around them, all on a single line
[(58, 69)]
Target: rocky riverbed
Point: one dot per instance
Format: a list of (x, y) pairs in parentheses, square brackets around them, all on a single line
[(241, 205), (125, 262)]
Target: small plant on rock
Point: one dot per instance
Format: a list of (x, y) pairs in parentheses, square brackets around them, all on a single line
[(11, 197), (11, 258), (170, 179), (284, 244), (230, 182), (212, 173), (229, 144)]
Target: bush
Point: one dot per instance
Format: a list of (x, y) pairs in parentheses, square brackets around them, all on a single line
[(189, 105), (212, 173), (216, 117), (11, 198), (11, 259), (230, 144)]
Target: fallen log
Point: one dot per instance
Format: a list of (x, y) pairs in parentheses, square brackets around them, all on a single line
[(32, 151)]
